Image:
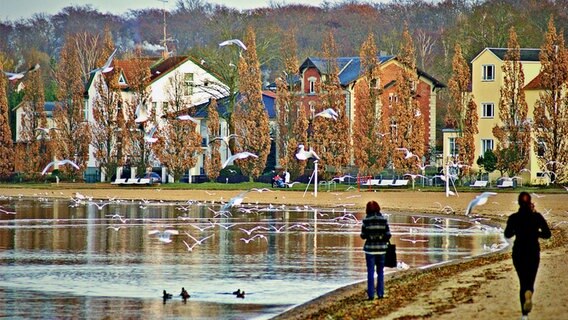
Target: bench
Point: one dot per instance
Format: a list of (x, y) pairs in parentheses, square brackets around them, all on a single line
[(399, 183), (479, 184), (386, 183), (130, 181), (505, 184)]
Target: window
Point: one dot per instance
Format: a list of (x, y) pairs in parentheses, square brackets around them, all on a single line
[(393, 98), (488, 110), (188, 84), (486, 144), (453, 149), (541, 148), (312, 85), (155, 106), (164, 107), (374, 83), (86, 110), (488, 72), (122, 80), (312, 109)]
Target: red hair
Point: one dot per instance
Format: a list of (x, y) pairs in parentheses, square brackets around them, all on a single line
[(373, 207)]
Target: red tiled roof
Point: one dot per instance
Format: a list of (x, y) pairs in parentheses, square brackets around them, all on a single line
[(535, 84), (165, 66)]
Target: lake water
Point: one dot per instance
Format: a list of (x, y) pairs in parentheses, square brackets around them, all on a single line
[(60, 258)]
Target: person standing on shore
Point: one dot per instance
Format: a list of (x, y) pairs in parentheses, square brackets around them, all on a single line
[(527, 225), (376, 232)]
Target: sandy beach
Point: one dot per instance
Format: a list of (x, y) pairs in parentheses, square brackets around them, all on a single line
[(483, 288)]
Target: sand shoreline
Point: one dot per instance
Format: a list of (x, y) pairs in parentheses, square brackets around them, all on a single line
[(461, 289)]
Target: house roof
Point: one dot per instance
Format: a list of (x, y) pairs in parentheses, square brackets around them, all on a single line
[(158, 67), (268, 99), (527, 54), (350, 68), (48, 106), (535, 84)]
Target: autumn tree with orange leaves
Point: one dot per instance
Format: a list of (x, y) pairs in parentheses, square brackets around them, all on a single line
[(138, 85), (250, 117), (108, 124), (213, 158), (331, 138), (33, 151), (6, 145), (406, 118), (551, 110), (462, 111), (288, 105), (370, 149), (72, 137), (513, 132), (179, 142)]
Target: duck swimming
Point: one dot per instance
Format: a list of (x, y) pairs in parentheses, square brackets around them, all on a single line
[(241, 295), (166, 295), (237, 292)]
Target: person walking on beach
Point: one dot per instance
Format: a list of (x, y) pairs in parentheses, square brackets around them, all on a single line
[(527, 225), (376, 232)]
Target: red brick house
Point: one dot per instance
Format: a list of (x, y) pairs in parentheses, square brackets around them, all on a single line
[(312, 69)]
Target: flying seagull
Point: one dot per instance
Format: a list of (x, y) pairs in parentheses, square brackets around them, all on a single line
[(141, 112), (236, 42), (59, 163), (328, 113), (149, 136), (237, 156), (186, 117), (19, 75), (305, 155), (106, 67), (478, 201)]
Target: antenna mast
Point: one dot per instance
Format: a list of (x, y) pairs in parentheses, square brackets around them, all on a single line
[(164, 42)]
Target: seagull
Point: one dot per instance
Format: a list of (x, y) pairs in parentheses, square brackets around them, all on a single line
[(19, 75), (59, 163), (148, 136), (198, 241), (414, 240), (225, 139), (261, 190), (235, 201), (305, 155), (253, 229), (141, 112), (46, 130), (106, 67), (164, 236), (189, 248), (328, 113), (186, 117), (238, 156), (478, 201), (7, 212), (260, 236), (408, 154), (236, 42)]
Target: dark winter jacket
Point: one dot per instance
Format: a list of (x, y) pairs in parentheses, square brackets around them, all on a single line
[(527, 227), (376, 231)]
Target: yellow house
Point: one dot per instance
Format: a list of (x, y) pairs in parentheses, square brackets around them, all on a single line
[(486, 82)]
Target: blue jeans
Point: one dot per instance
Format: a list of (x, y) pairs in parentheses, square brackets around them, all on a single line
[(377, 260)]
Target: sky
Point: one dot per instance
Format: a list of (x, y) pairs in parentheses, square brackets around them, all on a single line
[(17, 9)]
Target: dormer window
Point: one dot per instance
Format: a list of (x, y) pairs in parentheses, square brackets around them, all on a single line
[(122, 80)]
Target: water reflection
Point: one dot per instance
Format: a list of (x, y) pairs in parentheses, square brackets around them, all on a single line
[(93, 260)]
